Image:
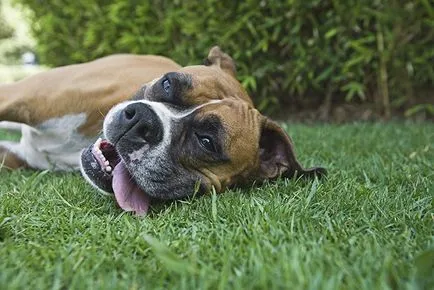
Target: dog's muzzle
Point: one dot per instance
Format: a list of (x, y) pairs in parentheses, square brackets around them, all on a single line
[(137, 122), (134, 128)]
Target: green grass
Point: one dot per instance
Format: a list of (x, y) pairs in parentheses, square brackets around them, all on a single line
[(369, 226)]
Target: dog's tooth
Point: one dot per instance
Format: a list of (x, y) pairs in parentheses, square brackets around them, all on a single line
[(98, 143), (108, 169), (106, 163)]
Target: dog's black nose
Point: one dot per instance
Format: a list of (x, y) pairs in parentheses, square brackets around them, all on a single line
[(138, 121)]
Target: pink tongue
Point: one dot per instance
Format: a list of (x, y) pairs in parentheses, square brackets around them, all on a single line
[(128, 195)]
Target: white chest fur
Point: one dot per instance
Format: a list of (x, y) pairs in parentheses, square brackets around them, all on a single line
[(54, 144)]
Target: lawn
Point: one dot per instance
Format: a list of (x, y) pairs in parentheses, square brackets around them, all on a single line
[(368, 226)]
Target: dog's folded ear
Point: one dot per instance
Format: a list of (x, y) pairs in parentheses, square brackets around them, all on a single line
[(277, 156), (217, 57)]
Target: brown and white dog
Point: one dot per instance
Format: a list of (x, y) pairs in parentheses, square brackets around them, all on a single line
[(168, 130)]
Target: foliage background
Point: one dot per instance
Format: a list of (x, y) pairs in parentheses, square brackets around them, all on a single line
[(292, 53), (15, 38)]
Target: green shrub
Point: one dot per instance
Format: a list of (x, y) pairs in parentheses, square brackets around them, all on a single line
[(287, 52), (14, 38), (6, 30)]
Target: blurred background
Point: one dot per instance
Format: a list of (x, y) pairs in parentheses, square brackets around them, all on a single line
[(16, 43), (304, 60)]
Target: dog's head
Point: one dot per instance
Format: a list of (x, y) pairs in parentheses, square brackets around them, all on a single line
[(186, 132)]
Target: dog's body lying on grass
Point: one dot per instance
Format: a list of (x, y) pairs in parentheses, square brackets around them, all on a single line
[(169, 130)]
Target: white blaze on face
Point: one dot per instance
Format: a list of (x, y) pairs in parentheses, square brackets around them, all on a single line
[(112, 114), (166, 115)]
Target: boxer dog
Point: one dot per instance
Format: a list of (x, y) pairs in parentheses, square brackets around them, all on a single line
[(168, 131)]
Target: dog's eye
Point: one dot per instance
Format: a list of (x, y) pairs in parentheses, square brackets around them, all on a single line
[(206, 142), (166, 85)]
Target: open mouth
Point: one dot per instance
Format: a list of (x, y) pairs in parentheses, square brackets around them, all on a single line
[(128, 194)]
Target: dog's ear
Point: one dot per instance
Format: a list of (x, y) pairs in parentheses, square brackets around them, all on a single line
[(277, 156), (217, 57)]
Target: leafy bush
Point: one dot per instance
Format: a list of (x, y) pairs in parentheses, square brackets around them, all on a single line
[(6, 30), (13, 39), (287, 52)]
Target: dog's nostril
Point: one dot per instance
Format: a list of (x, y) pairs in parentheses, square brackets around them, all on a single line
[(129, 112), (147, 135), (145, 132)]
